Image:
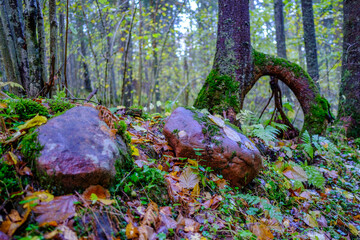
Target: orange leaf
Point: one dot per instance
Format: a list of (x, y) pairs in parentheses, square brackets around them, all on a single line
[(131, 231), (261, 231)]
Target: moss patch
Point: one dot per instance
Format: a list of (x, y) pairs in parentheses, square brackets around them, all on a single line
[(219, 93), (316, 121), (26, 109)]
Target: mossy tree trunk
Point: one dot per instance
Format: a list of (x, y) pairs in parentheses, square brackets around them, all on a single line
[(350, 81), (237, 68), (232, 67)]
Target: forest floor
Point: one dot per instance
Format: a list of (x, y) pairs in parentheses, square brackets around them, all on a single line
[(309, 188)]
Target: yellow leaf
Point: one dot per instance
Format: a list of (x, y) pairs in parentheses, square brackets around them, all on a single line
[(106, 201), (135, 151), (193, 163), (160, 167), (13, 158), (353, 230), (131, 231), (3, 105), (196, 191), (36, 121), (309, 220), (123, 39)]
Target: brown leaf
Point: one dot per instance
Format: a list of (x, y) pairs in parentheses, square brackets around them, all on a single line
[(9, 226), (295, 173), (189, 178), (146, 232), (62, 232), (261, 231), (58, 210), (151, 215), (98, 190)]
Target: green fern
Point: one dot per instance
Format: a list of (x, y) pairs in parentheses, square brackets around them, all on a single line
[(267, 134), (319, 143), (11, 84), (280, 126), (315, 178)]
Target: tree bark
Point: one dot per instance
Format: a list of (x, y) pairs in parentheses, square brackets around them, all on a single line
[(35, 84), (350, 81), (310, 40), (53, 41), (280, 39), (42, 43)]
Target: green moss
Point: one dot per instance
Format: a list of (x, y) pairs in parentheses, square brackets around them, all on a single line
[(30, 146), (316, 121), (261, 60), (57, 105), (8, 181), (27, 109), (219, 93)]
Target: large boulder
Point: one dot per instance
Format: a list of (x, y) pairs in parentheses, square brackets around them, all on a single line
[(79, 150), (223, 148)]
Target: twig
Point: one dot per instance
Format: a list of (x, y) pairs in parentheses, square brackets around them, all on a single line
[(91, 95)]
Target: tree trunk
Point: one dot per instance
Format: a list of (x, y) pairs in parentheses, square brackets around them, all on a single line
[(7, 66), (235, 73), (35, 84), (225, 86), (42, 43), (310, 40), (13, 27), (280, 39), (83, 51), (350, 80), (53, 41)]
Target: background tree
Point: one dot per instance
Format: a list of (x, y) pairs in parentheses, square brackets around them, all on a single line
[(350, 80), (310, 40)]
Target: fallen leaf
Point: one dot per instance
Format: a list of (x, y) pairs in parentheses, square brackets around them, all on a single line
[(135, 151), (131, 231), (261, 231), (353, 229), (101, 194), (58, 210), (146, 232), (295, 173), (35, 121), (151, 214), (189, 178), (3, 105), (196, 191), (310, 221), (218, 121), (232, 134)]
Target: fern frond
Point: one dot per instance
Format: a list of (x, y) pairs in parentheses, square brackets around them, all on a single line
[(315, 178), (306, 137), (280, 126), (11, 84), (267, 134)]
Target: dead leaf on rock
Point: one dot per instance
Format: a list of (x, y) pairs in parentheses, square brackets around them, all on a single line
[(58, 210), (189, 178), (218, 121), (232, 134)]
